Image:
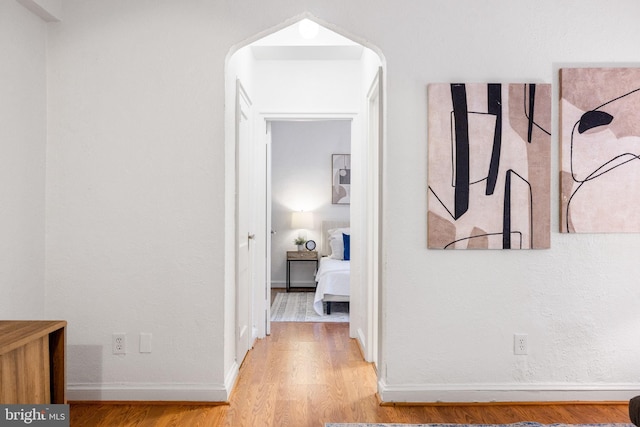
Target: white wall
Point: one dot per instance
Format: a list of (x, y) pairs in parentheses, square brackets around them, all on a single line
[(307, 86), (136, 179), (455, 313), (135, 214), (22, 162), (301, 180)]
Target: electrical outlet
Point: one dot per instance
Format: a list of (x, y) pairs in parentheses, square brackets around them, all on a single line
[(520, 344), (119, 343)]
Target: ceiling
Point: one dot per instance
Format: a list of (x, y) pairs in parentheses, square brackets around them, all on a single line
[(289, 44)]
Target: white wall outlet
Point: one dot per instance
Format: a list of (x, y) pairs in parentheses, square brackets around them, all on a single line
[(119, 343), (145, 342), (520, 344)]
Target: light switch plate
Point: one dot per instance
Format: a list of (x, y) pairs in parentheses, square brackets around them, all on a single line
[(145, 342)]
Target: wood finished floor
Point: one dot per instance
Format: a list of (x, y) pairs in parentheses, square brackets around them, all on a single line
[(306, 374)]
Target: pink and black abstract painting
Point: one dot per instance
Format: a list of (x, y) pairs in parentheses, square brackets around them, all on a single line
[(600, 172), (489, 166)]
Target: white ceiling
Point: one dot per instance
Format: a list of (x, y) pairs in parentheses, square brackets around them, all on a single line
[(288, 44)]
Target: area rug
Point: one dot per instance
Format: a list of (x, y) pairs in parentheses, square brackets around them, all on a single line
[(522, 424), (298, 307)]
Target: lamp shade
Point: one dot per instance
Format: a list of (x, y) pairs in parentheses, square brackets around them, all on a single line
[(302, 220)]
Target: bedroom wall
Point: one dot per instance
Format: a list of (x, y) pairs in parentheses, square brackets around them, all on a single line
[(301, 180), (136, 178), (22, 162)]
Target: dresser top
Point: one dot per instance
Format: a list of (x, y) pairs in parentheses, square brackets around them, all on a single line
[(16, 333)]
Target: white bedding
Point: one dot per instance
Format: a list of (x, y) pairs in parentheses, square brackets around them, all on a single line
[(333, 279)]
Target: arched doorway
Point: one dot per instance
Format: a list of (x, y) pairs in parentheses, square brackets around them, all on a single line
[(287, 76)]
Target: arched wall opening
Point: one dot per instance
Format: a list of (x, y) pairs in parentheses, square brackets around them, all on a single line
[(287, 77)]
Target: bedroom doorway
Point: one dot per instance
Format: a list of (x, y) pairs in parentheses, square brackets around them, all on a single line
[(327, 77), (302, 154)]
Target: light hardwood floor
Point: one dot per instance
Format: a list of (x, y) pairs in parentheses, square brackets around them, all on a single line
[(306, 374)]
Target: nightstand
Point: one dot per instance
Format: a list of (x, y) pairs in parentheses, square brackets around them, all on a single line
[(292, 256)]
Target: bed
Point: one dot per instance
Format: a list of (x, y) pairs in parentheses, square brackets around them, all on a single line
[(333, 275)]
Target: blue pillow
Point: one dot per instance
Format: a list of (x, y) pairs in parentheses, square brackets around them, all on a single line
[(346, 238)]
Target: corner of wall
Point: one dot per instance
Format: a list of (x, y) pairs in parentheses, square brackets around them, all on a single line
[(47, 10)]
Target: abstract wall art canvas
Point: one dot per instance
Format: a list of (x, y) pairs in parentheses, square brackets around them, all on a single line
[(341, 179), (600, 167), (489, 166)]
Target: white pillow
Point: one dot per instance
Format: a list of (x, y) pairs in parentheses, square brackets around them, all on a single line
[(336, 243), (337, 248), (336, 233)]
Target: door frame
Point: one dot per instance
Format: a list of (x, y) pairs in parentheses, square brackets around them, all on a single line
[(368, 308), (373, 212), (263, 126)]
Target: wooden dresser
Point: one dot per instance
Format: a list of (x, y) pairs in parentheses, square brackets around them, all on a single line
[(32, 362)]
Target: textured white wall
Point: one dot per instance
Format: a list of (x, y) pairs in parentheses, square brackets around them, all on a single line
[(22, 162), (301, 179), (135, 219), (455, 313), (136, 179)]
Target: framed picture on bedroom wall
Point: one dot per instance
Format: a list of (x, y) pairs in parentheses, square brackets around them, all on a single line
[(341, 179)]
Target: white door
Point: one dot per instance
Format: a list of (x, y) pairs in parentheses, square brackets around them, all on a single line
[(244, 235)]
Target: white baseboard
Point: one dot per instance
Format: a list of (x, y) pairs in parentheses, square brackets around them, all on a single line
[(230, 380), (157, 392), (363, 343), (506, 392), (148, 392)]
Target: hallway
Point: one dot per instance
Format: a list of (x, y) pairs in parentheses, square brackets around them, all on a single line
[(304, 374)]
